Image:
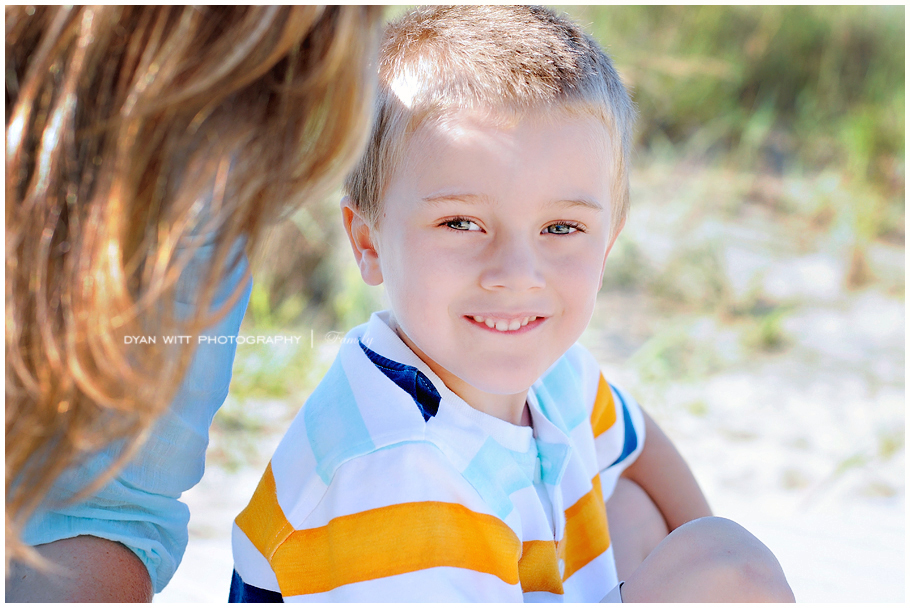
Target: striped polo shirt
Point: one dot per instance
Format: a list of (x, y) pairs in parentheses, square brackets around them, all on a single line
[(368, 499)]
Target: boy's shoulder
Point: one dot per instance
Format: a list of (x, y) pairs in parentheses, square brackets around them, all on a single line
[(575, 395), (568, 390), (353, 412), (387, 507)]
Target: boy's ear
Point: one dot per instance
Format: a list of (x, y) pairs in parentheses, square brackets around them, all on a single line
[(603, 266), (361, 236)]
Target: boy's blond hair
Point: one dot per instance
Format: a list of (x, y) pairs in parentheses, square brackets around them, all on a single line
[(511, 59)]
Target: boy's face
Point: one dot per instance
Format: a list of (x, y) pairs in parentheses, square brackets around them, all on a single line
[(491, 245)]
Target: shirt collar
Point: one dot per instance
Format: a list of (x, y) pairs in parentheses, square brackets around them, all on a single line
[(382, 339)]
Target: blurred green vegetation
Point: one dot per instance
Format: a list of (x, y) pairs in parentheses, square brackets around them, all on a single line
[(780, 91), (269, 383), (795, 88)]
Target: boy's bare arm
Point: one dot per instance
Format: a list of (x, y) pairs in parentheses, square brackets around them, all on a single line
[(661, 472)]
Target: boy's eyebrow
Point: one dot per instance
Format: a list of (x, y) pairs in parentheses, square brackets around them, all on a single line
[(464, 198), (581, 202), (475, 198)]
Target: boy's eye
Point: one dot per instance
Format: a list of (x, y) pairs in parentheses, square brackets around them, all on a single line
[(460, 223), (561, 228)]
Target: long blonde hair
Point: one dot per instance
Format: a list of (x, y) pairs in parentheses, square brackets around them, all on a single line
[(133, 134)]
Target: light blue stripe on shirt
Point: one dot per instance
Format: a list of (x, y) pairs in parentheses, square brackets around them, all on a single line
[(564, 388), (495, 475), (335, 427)]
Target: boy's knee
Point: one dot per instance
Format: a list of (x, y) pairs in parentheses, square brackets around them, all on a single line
[(709, 560), (733, 563)]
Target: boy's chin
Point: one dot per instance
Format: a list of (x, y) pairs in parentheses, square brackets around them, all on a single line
[(503, 385), (512, 375)]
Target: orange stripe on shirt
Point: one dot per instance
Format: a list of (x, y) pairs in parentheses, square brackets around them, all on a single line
[(262, 520), (539, 567), (604, 413), (394, 540), (587, 534)]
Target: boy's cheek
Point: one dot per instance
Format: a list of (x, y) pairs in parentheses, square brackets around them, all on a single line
[(582, 275)]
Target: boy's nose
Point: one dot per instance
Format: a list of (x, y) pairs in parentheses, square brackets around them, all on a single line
[(511, 263)]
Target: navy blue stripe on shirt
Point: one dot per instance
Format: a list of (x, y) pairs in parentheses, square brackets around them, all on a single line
[(631, 438), (242, 593), (410, 379)]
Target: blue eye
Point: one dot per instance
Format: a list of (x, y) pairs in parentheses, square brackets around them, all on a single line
[(561, 228), (462, 224)]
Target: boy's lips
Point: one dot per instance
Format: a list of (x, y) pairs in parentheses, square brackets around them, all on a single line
[(512, 323)]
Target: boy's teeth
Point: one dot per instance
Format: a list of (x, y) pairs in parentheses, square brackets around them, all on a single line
[(503, 325)]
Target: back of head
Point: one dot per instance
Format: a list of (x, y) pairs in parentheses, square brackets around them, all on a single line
[(501, 59), (135, 134)]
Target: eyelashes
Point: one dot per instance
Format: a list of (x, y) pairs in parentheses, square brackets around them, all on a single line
[(460, 224), (558, 228), (565, 227)]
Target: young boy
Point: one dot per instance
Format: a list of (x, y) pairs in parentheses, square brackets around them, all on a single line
[(462, 445)]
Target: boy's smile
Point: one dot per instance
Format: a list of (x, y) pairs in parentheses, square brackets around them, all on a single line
[(507, 325), (491, 245)]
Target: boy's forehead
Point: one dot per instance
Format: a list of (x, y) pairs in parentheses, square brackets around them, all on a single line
[(469, 153), (464, 128), (494, 127)]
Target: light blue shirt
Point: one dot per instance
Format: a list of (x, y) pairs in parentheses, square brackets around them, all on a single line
[(140, 507)]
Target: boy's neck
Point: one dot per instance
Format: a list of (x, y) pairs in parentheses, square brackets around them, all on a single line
[(510, 408)]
